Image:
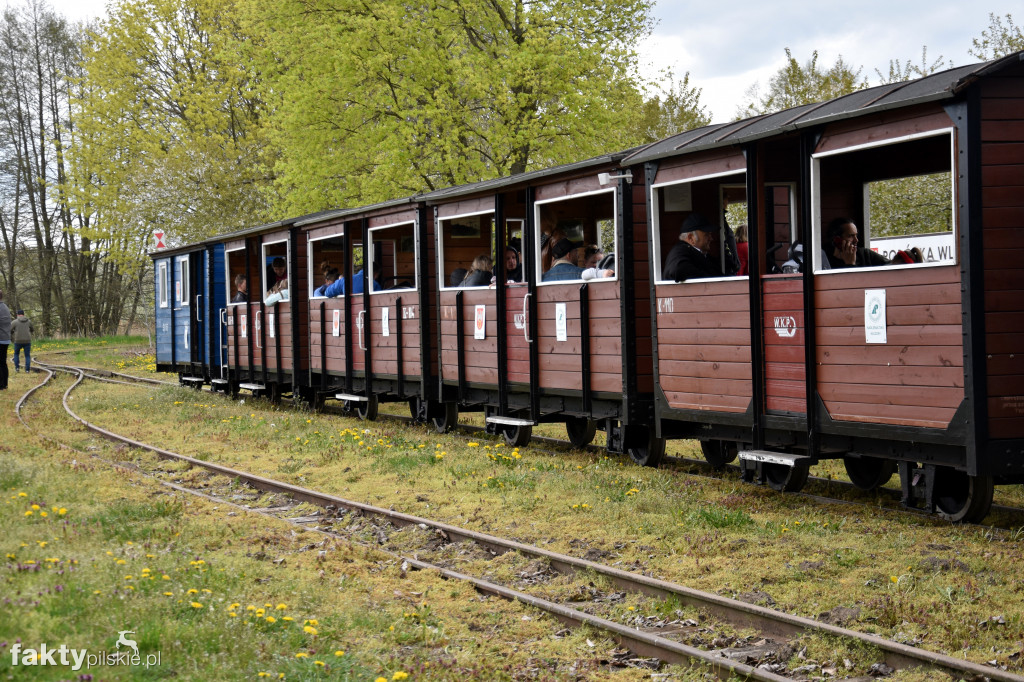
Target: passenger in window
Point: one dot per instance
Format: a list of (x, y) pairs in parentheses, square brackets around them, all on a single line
[(280, 283), (592, 255), (330, 277), (547, 242), (689, 258), (457, 277), (513, 266), (338, 287), (242, 286), (741, 248), (563, 267), (603, 270), (480, 274), (846, 250)]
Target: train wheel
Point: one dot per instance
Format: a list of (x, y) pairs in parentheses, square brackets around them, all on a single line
[(718, 453), (869, 473), (517, 436), (959, 497), (449, 418), (650, 452), (367, 409), (786, 479), (581, 431)]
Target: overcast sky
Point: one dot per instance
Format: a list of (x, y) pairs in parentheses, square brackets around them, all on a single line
[(728, 46)]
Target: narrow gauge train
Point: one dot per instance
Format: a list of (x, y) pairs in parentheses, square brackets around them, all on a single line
[(913, 367)]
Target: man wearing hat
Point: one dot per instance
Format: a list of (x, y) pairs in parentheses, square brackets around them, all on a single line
[(564, 266), (689, 258)]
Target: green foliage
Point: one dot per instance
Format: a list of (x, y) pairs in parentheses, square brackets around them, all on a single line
[(999, 39), (919, 204), (383, 100), (794, 85), (168, 133), (673, 109), (905, 71)]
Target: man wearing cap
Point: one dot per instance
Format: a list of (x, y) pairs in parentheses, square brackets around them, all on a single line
[(689, 258), (564, 267)]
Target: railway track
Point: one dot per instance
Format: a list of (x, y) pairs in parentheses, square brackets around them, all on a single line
[(775, 630)]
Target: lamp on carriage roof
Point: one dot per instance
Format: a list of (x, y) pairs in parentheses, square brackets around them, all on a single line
[(605, 178)]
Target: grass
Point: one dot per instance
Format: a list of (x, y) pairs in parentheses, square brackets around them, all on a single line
[(910, 578)]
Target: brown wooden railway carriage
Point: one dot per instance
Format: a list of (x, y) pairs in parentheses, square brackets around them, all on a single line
[(267, 343), (915, 366), (529, 352), (374, 345)]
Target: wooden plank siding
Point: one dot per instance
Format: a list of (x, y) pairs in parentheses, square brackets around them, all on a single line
[(638, 310), (559, 361), (704, 345), (784, 329), (385, 349), (335, 345), (916, 378), (1002, 179), (480, 355)]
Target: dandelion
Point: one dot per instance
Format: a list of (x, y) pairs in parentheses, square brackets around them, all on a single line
[(234, 606), (168, 594), (22, 494), (310, 630), (473, 445), (339, 652), (195, 605), (400, 675), (281, 607), (260, 613), (43, 514), (271, 620), (121, 562), (29, 513), (319, 663), (311, 621), (193, 591), (894, 579), (302, 654), (262, 674), (35, 507)]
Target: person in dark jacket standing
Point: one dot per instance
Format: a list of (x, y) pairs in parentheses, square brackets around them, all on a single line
[(5, 340), (689, 258), (21, 335)]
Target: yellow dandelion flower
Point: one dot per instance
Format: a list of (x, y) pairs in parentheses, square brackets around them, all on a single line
[(195, 605), (271, 619), (35, 507), (339, 652), (29, 513), (234, 606), (250, 607), (121, 562), (309, 630), (192, 591), (22, 494), (400, 676), (43, 514), (311, 621), (287, 618), (168, 594), (281, 607), (302, 654), (319, 663), (473, 445)]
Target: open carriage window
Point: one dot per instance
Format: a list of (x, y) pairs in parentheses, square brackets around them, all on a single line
[(394, 258), (275, 272), (887, 203), (695, 225), (327, 255), (467, 250), (576, 237), (163, 284), (237, 279), (181, 289)]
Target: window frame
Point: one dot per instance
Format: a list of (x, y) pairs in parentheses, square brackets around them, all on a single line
[(184, 276), (817, 236), (416, 256), (230, 279), (163, 284), (310, 273), (537, 261), (264, 265), (444, 286), (654, 232)]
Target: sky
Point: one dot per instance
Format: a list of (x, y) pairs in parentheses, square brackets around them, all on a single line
[(728, 46)]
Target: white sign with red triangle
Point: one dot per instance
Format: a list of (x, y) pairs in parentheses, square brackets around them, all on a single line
[(159, 236)]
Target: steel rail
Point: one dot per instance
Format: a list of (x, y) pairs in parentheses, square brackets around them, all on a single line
[(742, 614)]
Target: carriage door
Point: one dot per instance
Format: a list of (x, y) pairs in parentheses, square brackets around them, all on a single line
[(782, 306), (197, 287)]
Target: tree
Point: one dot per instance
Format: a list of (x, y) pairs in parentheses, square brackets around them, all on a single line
[(378, 100), (672, 110), (905, 71), (998, 40), (168, 131), (794, 85)]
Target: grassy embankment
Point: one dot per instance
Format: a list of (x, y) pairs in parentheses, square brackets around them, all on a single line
[(912, 579)]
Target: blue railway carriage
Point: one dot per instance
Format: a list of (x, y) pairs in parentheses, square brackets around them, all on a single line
[(189, 296), (881, 317)]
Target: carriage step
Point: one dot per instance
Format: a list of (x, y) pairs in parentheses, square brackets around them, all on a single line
[(783, 458), (351, 398), (253, 387), (219, 382), (193, 380), (511, 421)]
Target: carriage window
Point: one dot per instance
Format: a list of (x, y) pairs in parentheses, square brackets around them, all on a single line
[(275, 270), (181, 288), (162, 283), (576, 234), (715, 207), (394, 257), (886, 204), (238, 291), (328, 258), (467, 250)]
